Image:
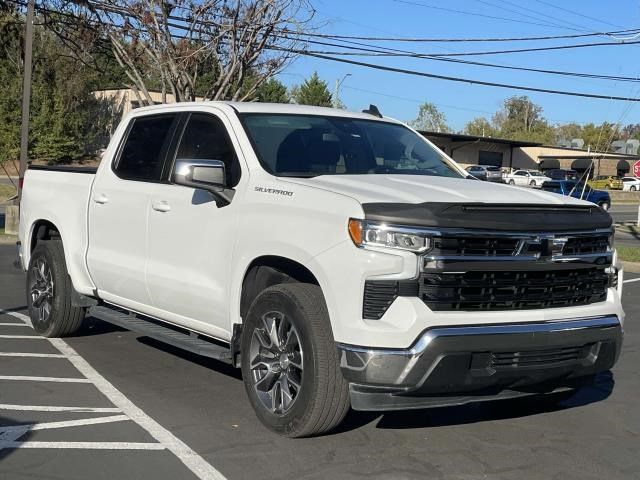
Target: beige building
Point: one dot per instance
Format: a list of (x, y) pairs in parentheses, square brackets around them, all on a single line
[(511, 154), (126, 99), (471, 150)]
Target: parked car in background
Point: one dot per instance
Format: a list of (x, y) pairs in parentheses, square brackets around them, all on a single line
[(526, 178), (486, 172), (606, 182), (630, 184), (561, 174), (579, 190)]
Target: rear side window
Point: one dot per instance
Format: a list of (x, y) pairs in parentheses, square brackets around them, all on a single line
[(142, 155)]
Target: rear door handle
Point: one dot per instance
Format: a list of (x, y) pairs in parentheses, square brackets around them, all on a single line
[(161, 206), (101, 199)]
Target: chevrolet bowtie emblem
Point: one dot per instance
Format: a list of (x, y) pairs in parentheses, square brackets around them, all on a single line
[(544, 247)]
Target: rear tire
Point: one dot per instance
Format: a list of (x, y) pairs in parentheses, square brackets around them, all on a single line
[(49, 291), (290, 363)]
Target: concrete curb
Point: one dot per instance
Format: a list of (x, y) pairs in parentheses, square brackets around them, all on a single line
[(631, 267), (8, 239)]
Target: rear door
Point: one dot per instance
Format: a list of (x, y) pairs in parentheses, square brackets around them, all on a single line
[(118, 211), (191, 236)]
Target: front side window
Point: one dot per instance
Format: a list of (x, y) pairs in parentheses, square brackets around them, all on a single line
[(307, 146), (205, 138), (142, 155)]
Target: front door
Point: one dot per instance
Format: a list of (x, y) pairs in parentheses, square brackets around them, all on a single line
[(191, 237)]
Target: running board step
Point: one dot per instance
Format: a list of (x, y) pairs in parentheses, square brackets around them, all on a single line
[(137, 323)]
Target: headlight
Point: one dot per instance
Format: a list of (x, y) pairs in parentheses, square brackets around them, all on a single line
[(380, 235)]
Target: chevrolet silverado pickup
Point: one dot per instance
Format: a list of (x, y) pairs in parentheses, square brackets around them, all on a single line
[(340, 260)]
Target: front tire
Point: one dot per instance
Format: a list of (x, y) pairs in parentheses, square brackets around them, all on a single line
[(49, 292), (290, 364)]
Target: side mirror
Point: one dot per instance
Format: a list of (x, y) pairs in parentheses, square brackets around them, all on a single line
[(205, 174), (209, 175)]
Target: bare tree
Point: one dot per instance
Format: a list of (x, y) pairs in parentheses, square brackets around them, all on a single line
[(215, 49)]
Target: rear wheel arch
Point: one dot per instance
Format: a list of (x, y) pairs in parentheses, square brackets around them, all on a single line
[(43, 230)]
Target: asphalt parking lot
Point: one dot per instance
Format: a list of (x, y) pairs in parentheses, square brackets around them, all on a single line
[(109, 404)]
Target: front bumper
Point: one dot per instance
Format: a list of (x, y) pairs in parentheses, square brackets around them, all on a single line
[(454, 365)]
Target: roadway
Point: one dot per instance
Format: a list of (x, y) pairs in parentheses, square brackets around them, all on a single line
[(138, 409)]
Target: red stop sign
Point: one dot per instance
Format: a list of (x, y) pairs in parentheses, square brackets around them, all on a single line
[(636, 169)]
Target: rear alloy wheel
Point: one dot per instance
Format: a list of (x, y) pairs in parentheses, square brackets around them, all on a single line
[(607, 187), (512, 182), (605, 206), (49, 291), (290, 364), (633, 188)]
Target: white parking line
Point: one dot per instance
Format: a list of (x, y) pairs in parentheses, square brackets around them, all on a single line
[(20, 378), (65, 424), (31, 355), (32, 337), (194, 462), (51, 408), (86, 445), (631, 280)]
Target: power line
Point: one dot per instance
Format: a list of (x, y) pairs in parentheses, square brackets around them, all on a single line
[(373, 50), (578, 13), (474, 14), (468, 80), (544, 19), (460, 40)]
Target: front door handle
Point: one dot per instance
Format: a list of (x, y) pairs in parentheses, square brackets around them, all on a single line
[(101, 199), (161, 206)]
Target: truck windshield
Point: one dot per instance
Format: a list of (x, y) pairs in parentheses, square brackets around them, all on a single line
[(308, 146)]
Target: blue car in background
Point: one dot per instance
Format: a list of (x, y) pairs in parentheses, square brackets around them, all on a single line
[(579, 190)]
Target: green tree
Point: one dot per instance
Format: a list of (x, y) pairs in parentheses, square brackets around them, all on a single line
[(480, 127), (567, 132), (521, 119), (430, 118), (600, 137), (313, 92), (272, 91)]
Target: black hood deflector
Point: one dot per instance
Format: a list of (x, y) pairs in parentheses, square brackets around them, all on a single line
[(486, 216)]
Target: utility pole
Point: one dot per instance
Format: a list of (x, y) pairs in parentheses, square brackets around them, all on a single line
[(26, 94), (336, 93)]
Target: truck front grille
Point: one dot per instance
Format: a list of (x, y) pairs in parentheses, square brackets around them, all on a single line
[(468, 270), (465, 244), (512, 290)]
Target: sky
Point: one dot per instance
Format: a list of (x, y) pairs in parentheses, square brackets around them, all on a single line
[(399, 95)]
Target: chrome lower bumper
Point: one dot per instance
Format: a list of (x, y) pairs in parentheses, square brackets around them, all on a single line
[(457, 361)]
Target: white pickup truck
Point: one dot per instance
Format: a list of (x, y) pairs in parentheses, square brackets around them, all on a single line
[(339, 259)]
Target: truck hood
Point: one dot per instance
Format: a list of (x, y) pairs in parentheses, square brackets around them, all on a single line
[(420, 189)]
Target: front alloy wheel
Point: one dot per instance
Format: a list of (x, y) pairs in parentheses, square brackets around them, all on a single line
[(276, 362), (290, 365)]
